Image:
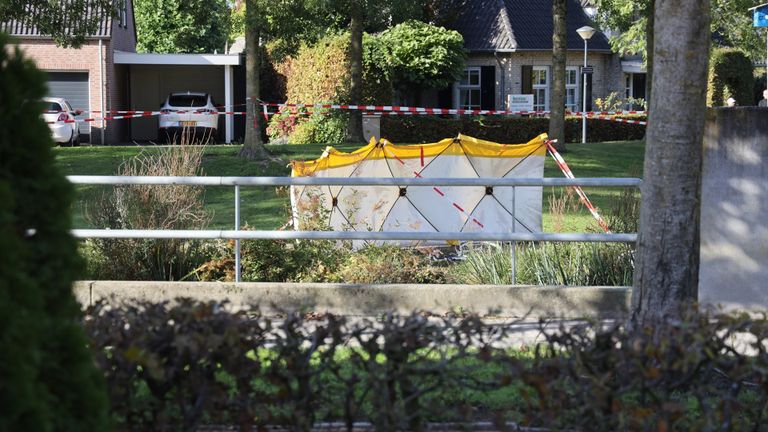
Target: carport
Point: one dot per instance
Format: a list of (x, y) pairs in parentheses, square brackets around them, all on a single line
[(151, 77)]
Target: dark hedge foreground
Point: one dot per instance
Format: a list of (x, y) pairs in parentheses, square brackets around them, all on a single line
[(47, 378), (507, 130), (179, 367)]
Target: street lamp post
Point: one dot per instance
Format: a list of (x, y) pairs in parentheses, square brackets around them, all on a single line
[(586, 33)]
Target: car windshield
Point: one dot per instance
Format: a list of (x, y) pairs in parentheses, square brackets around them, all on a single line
[(188, 100), (53, 106)]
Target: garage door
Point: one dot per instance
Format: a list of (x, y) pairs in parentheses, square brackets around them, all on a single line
[(72, 86)]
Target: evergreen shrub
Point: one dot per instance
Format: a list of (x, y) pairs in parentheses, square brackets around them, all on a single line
[(730, 75), (48, 381)]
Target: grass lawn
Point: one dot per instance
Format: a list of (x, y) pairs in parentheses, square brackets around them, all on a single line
[(265, 208)]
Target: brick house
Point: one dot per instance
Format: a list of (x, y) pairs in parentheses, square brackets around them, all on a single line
[(87, 76), (509, 52)]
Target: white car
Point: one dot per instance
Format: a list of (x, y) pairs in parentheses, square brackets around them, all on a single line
[(57, 112), (188, 112)]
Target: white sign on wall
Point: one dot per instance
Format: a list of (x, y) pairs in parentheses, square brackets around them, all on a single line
[(520, 102)]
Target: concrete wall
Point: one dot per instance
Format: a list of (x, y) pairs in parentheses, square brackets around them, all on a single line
[(349, 299), (734, 209)]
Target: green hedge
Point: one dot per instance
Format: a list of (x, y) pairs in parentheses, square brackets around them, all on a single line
[(414, 129), (730, 75), (201, 366)]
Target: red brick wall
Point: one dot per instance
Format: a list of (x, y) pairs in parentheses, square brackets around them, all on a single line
[(50, 57)]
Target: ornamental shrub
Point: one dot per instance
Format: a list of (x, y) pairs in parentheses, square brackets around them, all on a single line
[(423, 55), (320, 74), (47, 378), (730, 75)]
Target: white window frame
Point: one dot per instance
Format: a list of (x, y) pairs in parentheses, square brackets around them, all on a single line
[(460, 88), (575, 87), (536, 86)]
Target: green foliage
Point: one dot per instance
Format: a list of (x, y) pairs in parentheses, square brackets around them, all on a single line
[(47, 378), (181, 26), (423, 55), (731, 21), (191, 364), (320, 74), (613, 102), (570, 264), (54, 18), (509, 130), (730, 75), (388, 264), (150, 207), (576, 264)]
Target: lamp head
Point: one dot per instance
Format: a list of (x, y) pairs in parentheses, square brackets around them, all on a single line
[(586, 32)]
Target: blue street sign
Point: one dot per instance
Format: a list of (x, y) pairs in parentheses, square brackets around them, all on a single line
[(760, 16)]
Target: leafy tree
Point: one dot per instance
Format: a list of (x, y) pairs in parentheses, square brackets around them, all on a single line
[(181, 26), (360, 16), (667, 257), (67, 22), (422, 55), (634, 23), (265, 21), (47, 378), (559, 49)]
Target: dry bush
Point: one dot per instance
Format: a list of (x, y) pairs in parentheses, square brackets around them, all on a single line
[(154, 207)]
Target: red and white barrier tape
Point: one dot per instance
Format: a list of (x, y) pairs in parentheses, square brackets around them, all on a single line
[(583, 196), (395, 108)]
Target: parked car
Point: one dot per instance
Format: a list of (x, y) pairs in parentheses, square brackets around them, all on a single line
[(188, 113), (56, 112)]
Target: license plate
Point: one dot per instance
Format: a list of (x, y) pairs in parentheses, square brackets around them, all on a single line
[(188, 124)]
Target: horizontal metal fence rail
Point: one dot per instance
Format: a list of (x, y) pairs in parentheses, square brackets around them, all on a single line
[(238, 234), (351, 181), (353, 235)]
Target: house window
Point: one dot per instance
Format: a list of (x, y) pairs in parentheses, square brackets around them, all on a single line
[(540, 81), (571, 89), (469, 89)]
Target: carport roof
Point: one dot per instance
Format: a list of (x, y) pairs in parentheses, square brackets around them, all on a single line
[(122, 57)]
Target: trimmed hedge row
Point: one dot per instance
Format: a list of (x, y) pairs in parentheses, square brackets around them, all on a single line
[(503, 130), (192, 364)]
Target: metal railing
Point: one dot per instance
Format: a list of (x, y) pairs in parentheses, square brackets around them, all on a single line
[(237, 234)]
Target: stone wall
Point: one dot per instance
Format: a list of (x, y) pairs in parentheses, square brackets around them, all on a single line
[(734, 209)]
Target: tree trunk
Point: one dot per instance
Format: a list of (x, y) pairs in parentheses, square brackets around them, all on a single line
[(557, 102), (357, 18), (253, 147), (667, 258)]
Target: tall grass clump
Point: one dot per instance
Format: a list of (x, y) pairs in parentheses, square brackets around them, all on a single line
[(539, 263), (156, 207)]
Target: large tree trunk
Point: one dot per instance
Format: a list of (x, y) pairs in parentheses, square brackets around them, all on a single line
[(667, 258), (357, 19), (253, 147), (557, 102)]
